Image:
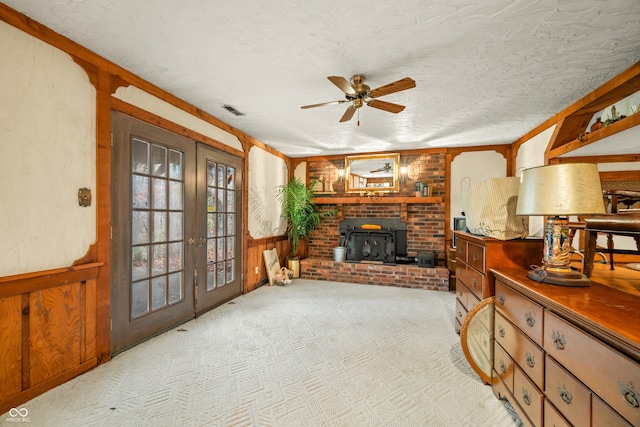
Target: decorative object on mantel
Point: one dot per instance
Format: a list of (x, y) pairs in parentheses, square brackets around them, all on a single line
[(558, 191), (422, 189)]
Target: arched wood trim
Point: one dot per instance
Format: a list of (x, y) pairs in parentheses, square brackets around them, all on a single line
[(89, 257)]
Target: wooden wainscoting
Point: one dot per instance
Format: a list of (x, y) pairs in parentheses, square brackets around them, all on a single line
[(253, 278), (47, 330)]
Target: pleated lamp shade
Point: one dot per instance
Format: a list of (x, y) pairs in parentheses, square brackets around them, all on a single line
[(560, 190)]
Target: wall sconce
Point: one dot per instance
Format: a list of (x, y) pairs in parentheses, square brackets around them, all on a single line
[(341, 175), (404, 171)]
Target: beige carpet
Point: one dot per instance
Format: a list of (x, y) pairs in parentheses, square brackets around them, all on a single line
[(308, 354)]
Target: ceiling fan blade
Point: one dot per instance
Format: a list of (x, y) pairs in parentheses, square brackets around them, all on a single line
[(348, 114), (322, 104), (397, 86), (343, 84), (386, 106)]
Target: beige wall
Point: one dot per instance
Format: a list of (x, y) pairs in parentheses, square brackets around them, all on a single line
[(47, 152), (266, 173)]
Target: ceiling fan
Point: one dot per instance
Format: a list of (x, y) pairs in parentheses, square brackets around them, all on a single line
[(385, 168), (358, 94)]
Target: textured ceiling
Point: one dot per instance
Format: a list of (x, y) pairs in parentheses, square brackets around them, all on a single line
[(486, 71)]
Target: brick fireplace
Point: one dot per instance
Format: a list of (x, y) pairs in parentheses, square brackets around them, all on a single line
[(424, 223)]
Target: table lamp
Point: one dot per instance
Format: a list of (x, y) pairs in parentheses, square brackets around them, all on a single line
[(557, 191)]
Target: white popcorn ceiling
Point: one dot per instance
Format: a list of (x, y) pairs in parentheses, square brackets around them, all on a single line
[(487, 71)]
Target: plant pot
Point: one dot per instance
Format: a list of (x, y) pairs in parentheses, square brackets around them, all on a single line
[(294, 265)]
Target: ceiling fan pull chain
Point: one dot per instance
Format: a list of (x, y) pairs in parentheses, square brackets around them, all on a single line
[(358, 117)]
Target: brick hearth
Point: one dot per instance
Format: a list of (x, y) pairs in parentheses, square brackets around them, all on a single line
[(401, 275)]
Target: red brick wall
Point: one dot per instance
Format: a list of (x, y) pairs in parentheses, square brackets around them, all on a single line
[(425, 222), (407, 276)]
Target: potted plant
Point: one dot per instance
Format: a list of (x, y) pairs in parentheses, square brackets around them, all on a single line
[(302, 216)]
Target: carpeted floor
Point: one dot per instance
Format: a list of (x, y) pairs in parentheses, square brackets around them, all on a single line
[(308, 354)]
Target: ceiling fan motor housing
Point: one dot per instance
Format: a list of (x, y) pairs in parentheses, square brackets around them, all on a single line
[(362, 90)]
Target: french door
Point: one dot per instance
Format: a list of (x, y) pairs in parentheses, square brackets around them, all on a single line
[(176, 247), (218, 228)]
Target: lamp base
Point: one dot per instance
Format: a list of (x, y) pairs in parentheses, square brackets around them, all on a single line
[(560, 277)]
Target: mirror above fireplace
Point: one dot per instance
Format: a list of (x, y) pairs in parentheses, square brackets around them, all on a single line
[(374, 173)]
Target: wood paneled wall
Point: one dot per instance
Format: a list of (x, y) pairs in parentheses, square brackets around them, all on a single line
[(255, 259), (47, 330)]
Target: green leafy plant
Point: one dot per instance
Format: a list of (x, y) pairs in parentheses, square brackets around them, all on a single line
[(298, 209)]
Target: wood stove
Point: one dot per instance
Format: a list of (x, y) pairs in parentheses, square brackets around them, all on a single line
[(374, 240)]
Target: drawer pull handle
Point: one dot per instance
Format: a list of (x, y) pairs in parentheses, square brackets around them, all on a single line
[(460, 293), (629, 394), (526, 397), (565, 395), (501, 299), (503, 367), (475, 257), (558, 340), (473, 282), (530, 320), (501, 331), (531, 362)]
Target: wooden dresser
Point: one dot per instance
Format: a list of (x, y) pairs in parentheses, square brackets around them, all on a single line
[(475, 255), (566, 356)]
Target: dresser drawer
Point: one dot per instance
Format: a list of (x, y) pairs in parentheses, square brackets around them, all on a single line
[(603, 416), (461, 250), (611, 375), (475, 282), (472, 300), (475, 256), (524, 352), (567, 394), (461, 295), (461, 273), (524, 313), (552, 417), (528, 397), (461, 311), (503, 366)]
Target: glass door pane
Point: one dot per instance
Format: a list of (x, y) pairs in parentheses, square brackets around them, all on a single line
[(157, 230)]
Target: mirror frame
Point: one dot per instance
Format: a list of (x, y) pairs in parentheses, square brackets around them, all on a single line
[(391, 157)]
